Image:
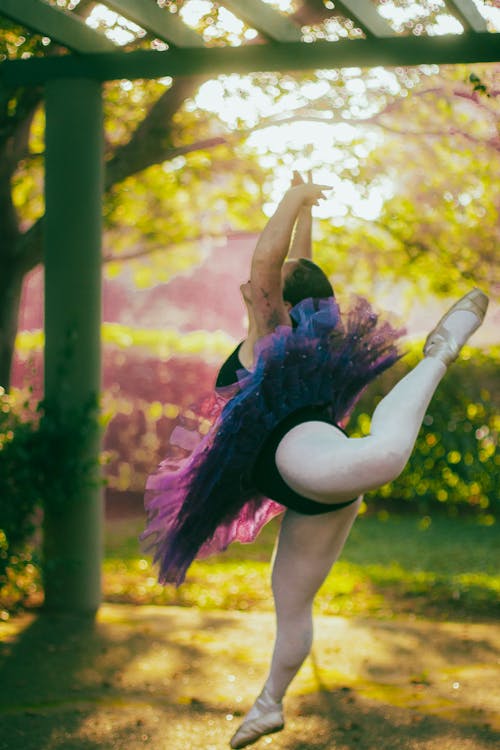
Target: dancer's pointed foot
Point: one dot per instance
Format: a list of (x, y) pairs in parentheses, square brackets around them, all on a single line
[(455, 327), (265, 717)]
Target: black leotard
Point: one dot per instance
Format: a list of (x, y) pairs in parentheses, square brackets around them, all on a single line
[(227, 373), (269, 481), (265, 474)]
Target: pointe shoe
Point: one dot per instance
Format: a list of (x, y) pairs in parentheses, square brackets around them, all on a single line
[(265, 717), (441, 343)]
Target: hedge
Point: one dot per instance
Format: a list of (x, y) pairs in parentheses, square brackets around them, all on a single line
[(455, 464), (39, 467), (454, 468)]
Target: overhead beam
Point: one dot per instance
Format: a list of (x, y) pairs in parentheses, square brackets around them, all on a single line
[(65, 28), (367, 17), (290, 56), (263, 18), (165, 25), (468, 14)]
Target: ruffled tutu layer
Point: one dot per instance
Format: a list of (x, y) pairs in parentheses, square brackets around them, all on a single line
[(203, 497)]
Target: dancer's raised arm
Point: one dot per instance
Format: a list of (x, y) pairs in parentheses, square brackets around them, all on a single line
[(270, 254), (301, 244)]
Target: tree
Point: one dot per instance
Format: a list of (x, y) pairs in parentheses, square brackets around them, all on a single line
[(192, 158), (413, 156), (439, 223), (153, 132)]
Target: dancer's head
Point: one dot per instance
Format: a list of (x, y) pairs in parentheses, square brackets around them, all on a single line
[(303, 279)]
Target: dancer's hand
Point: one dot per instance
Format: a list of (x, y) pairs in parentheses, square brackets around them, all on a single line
[(307, 193), (297, 178)]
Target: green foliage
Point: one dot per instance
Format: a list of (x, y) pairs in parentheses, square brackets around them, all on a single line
[(15, 43), (455, 465), (436, 164), (40, 467), (157, 222), (157, 375), (20, 498)]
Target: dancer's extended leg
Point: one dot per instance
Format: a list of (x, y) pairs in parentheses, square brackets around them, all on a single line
[(318, 461), (306, 550)]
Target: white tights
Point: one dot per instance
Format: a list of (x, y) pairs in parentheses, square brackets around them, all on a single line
[(332, 469), (306, 550), (320, 462)]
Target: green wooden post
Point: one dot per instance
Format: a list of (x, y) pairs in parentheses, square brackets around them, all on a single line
[(73, 194)]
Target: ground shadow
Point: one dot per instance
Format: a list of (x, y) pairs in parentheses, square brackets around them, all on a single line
[(59, 671), (341, 720), (179, 679)]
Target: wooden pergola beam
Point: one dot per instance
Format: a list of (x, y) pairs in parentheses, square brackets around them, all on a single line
[(367, 17), (266, 20), (64, 28), (289, 56), (166, 26), (468, 14)]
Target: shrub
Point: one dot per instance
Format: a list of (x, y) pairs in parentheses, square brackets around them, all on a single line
[(18, 493), (455, 465), (40, 467)]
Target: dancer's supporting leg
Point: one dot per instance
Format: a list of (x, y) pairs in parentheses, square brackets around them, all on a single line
[(307, 548)]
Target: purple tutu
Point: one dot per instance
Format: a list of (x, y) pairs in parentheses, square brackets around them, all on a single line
[(202, 497)]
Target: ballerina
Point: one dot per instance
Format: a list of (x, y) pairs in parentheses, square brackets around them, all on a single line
[(277, 444)]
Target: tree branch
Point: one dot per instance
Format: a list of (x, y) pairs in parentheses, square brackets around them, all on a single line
[(151, 142), (145, 148)]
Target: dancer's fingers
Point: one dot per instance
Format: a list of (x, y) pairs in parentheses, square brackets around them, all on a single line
[(310, 193), (319, 190)]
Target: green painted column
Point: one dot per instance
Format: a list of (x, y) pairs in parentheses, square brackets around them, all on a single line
[(72, 246)]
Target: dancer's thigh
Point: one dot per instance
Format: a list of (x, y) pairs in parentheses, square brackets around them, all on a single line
[(306, 550), (320, 462)]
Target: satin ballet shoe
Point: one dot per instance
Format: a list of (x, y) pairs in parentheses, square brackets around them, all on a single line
[(441, 343), (265, 717)]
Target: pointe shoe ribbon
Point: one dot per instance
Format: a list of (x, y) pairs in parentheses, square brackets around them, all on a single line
[(265, 717), (441, 343)]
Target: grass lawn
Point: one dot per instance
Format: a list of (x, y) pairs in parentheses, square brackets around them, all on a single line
[(442, 569)]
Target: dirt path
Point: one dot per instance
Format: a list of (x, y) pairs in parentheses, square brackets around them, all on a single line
[(179, 679)]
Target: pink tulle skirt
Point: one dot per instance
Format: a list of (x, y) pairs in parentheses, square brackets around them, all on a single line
[(203, 497)]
